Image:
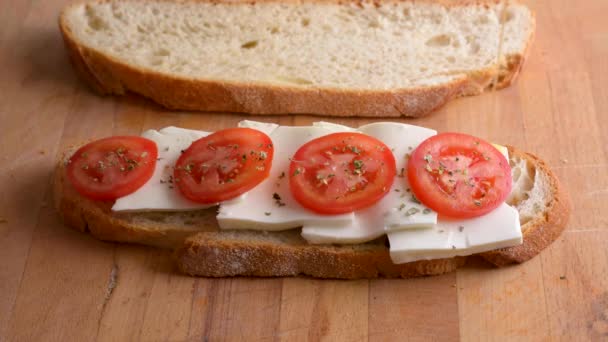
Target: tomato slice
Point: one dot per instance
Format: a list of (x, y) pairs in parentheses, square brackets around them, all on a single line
[(113, 167), (459, 175), (224, 165), (341, 172)]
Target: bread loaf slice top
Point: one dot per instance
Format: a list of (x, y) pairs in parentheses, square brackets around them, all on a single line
[(319, 44)]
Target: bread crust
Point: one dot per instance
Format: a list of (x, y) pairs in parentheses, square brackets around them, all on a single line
[(540, 232), (107, 75), (205, 254), (203, 250)]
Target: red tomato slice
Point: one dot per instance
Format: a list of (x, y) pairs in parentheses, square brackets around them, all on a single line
[(224, 165), (113, 167), (341, 172), (459, 175)]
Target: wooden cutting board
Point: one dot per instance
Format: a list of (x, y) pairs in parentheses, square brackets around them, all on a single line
[(57, 284)]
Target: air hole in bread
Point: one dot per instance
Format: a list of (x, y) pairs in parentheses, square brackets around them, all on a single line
[(117, 15), (94, 21), (440, 40), (305, 22), (250, 44), (508, 16), (436, 18), (474, 46), (482, 19), (162, 52), (474, 49)]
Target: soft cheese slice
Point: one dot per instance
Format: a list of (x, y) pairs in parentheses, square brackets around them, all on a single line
[(502, 149), (159, 193), (365, 226), (498, 229), (401, 209), (398, 209), (270, 205), (265, 127), (333, 127), (352, 232)]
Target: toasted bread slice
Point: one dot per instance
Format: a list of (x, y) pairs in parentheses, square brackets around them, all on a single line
[(205, 250), (340, 58)]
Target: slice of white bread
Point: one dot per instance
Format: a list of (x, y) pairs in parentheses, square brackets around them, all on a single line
[(341, 58), (205, 250)]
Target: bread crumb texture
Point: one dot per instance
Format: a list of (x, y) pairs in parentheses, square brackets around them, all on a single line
[(352, 45)]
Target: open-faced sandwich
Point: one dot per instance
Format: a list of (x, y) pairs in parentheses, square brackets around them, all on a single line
[(385, 199)]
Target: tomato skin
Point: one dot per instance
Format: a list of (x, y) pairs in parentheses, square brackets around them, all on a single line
[(113, 167), (459, 175), (224, 165), (341, 172)]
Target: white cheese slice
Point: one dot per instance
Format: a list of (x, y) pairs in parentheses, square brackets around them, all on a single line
[(402, 210), (398, 209), (260, 126), (502, 149), (351, 232), (159, 193), (497, 229), (263, 209), (333, 127)]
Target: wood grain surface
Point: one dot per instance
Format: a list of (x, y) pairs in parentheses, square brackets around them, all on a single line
[(61, 285)]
